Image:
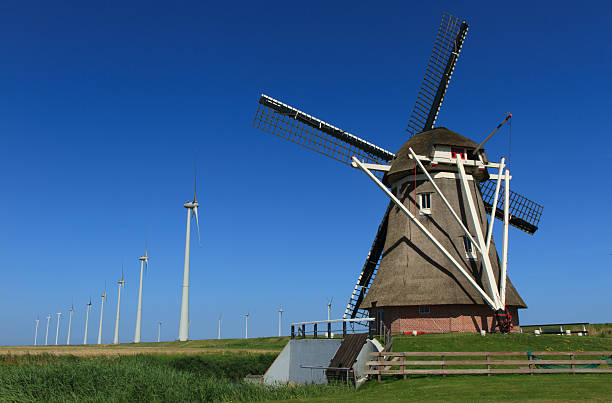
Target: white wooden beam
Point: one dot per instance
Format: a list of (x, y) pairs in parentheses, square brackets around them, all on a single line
[(399, 204), (465, 230), (486, 262), (504, 260), (375, 167), (497, 185)]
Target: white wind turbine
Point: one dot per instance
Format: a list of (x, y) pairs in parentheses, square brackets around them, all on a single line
[(329, 305), (246, 325), (87, 321), (280, 319), (47, 332), (219, 335), (36, 331), (69, 324), (57, 330), (121, 284), (101, 316), (184, 321), (144, 260), (159, 331)]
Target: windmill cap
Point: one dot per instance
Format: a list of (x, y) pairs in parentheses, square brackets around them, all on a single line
[(423, 144)]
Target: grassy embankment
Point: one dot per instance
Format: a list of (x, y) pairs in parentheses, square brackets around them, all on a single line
[(214, 376)]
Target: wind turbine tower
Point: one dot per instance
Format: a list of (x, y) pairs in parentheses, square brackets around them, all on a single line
[(219, 335), (101, 316), (57, 329), (144, 260), (159, 331), (69, 324), (184, 321), (36, 331), (121, 284), (329, 304), (246, 326), (280, 319), (87, 321), (47, 332)]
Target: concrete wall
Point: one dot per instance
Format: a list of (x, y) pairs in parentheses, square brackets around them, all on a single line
[(302, 352)]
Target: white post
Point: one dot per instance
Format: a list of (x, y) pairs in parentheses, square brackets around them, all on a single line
[(69, 326), (116, 338), (437, 189), (184, 321), (101, 316), (219, 334), (495, 197), (246, 326), (139, 309), (57, 329), (399, 204), (504, 262), (47, 332), (280, 320), (86, 323), (486, 262), (159, 331), (36, 332)]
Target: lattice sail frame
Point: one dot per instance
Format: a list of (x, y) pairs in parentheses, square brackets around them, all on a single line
[(524, 213), (294, 125), (285, 121), (447, 46)]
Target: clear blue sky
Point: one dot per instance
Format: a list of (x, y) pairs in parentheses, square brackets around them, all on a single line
[(103, 105)]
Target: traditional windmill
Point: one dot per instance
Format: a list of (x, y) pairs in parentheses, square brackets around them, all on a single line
[(433, 265)]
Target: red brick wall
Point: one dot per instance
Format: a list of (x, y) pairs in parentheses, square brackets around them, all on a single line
[(443, 318)]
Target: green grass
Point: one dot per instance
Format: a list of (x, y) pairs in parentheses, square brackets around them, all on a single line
[(558, 387), (500, 342), (151, 378), (261, 343), (217, 376)]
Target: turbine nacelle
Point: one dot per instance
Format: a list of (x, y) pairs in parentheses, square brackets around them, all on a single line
[(191, 204)]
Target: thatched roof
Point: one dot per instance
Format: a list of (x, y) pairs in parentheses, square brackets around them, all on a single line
[(413, 271), (423, 144)]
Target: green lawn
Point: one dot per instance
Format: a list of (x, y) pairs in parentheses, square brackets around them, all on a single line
[(260, 343), (214, 373), (500, 342), (559, 387)]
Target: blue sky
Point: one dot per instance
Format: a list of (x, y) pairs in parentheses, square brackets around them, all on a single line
[(104, 104)]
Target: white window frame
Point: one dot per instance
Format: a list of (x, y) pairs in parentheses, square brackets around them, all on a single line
[(424, 210), (424, 310), (470, 253)]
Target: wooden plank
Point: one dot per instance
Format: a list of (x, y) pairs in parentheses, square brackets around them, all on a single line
[(492, 371), (485, 353), (398, 362)]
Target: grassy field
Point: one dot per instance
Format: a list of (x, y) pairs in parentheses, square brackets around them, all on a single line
[(262, 345), (211, 370)]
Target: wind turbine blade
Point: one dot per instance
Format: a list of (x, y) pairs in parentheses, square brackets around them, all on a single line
[(195, 212), (194, 179)]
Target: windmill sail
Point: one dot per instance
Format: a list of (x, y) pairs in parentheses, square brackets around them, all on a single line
[(290, 123), (447, 46), (294, 125), (524, 213)]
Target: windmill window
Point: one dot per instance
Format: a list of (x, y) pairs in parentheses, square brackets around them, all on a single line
[(424, 310), (425, 203), (469, 248), (458, 153)]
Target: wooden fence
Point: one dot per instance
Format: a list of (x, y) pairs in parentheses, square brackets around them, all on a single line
[(523, 362)]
